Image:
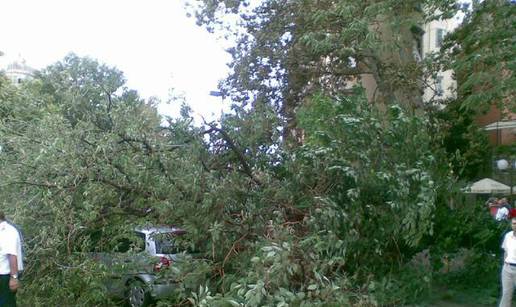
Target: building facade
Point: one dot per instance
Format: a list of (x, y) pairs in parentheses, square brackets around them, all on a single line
[(443, 86), (17, 71)]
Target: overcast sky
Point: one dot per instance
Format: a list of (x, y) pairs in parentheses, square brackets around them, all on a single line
[(151, 41)]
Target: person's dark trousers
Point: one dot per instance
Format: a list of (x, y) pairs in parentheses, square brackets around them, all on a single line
[(7, 297)]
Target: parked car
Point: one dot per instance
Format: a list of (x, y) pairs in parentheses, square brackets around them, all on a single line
[(136, 265)]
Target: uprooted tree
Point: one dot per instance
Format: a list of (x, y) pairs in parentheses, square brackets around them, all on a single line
[(276, 226), (335, 219)]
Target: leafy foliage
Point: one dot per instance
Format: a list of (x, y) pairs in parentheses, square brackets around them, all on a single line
[(76, 178), (468, 239), (336, 220), (350, 205), (483, 57), (467, 145), (286, 51), (481, 54), (277, 227)]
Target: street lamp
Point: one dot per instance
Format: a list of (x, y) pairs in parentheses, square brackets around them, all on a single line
[(216, 94), (503, 165)]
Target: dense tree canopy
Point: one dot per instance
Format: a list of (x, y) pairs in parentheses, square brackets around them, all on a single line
[(288, 50), (340, 218), (483, 57), (77, 178), (83, 159)]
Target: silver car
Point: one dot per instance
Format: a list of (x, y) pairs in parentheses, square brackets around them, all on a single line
[(136, 270)]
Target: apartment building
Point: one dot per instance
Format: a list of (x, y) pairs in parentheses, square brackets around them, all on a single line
[(443, 86)]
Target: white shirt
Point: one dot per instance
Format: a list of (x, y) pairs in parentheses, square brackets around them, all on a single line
[(10, 244), (509, 245), (502, 214)]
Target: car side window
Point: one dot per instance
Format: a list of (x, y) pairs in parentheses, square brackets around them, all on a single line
[(171, 243), (165, 243)]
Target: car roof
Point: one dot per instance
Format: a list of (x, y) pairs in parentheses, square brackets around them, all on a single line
[(160, 229)]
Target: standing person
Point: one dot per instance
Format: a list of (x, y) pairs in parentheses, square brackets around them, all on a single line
[(504, 210), (509, 265), (10, 262), (502, 214), (492, 204)]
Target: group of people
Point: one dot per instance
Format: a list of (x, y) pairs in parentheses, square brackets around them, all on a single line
[(11, 263), (500, 208)]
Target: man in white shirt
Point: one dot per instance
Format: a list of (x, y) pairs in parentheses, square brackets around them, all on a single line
[(502, 214), (10, 262)]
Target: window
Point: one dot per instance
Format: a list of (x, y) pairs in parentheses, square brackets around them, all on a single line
[(418, 49), (417, 34), (172, 243), (439, 37), (439, 89)]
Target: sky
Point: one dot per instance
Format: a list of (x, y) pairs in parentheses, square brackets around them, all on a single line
[(152, 42)]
